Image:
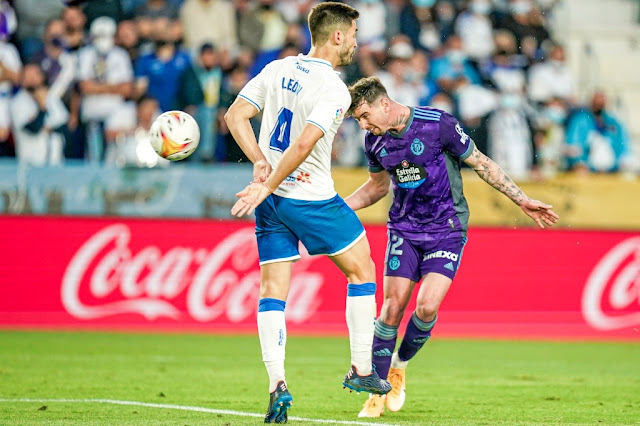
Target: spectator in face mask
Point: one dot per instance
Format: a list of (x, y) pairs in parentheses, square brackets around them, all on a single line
[(445, 17), (105, 79), (39, 117), (551, 78), (451, 65), (58, 66), (509, 135), (549, 137), (504, 70), (399, 77), (475, 29), (599, 142)]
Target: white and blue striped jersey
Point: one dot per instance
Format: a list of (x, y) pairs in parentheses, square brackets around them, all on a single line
[(292, 92)]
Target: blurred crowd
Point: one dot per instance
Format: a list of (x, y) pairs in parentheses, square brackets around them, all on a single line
[(84, 79)]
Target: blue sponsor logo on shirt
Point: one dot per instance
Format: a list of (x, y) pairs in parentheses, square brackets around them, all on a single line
[(383, 153), (417, 147), (409, 175)]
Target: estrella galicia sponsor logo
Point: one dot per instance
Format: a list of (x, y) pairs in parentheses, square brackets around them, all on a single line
[(409, 175), (394, 263), (383, 153), (417, 147)]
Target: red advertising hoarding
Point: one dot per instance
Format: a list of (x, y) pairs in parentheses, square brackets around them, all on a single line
[(148, 274)]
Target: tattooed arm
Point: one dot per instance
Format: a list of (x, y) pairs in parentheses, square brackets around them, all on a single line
[(491, 173)]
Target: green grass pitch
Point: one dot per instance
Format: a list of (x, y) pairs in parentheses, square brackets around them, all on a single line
[(189, 379)]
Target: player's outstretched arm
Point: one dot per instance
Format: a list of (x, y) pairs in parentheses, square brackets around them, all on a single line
[(372, 191), (491, 173), (237, 119), (256, 192), (250, 198)]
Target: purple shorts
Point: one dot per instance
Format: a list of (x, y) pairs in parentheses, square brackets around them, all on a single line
[(413, 259)]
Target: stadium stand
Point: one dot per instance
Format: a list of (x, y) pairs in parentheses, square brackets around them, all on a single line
[(477, 58)]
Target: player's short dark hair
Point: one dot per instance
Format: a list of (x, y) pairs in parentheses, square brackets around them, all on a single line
[(368, 89), (328, 17)]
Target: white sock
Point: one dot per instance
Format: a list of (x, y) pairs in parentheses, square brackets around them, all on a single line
[(396, 362), (272, 330), (361, 317)]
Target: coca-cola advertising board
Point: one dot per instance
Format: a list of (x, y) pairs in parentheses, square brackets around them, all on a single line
[(203, 275)]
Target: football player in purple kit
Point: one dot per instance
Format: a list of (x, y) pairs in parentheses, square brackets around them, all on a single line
[(419, 149)]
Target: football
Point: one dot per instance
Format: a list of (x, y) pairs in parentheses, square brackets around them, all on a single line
[(174, 135)]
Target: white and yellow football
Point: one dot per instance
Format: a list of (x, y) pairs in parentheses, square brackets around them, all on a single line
[(174, 135)]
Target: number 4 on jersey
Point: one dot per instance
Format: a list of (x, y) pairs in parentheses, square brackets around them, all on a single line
[(280, 134)]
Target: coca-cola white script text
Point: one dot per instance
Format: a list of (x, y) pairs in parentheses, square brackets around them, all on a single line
[(619, 270), (219, 283)]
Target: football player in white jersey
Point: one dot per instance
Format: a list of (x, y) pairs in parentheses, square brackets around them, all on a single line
[(303, 102)]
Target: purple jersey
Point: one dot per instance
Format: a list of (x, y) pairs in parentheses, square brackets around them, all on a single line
[(424, 163)]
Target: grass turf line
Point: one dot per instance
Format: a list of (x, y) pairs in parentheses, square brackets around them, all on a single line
[(454, 382)]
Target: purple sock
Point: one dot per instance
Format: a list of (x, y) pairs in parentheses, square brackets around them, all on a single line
[(417, 334), (384, 342)]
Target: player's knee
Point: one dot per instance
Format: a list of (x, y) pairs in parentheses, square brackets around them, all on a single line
[(427, 310), (392, 317)]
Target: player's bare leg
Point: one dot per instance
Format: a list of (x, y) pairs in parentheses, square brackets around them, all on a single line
[(358, 267), (274, 289), (432, 291)]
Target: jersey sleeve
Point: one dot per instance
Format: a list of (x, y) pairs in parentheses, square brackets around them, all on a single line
[(330, 108), (372, 162), (255, 91), (454, 140)]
